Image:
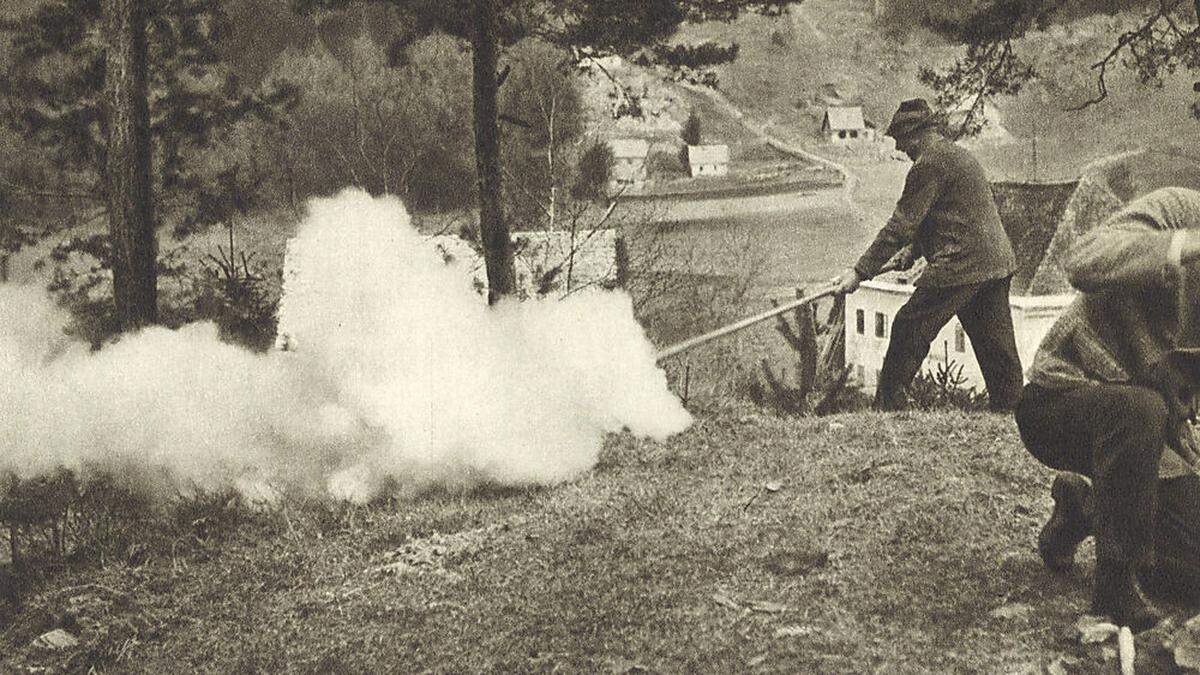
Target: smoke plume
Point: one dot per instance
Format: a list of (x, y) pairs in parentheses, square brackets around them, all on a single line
[(401, 377)]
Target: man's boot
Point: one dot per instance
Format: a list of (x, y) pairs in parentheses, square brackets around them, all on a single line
[(1071, 521), (1118, 594)]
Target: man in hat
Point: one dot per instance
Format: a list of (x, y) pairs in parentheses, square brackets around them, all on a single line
[(1110, 396), (948, 215)]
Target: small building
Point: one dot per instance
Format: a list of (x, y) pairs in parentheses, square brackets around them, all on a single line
[(1037, 217), (629, 161), (846, 125), (708, 160)]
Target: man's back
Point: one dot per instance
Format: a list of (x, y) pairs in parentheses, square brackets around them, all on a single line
[(960, 235)]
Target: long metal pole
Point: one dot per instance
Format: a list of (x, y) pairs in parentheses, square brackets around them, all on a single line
[(744, 323)]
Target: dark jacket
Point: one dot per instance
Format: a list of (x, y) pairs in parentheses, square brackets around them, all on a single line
[(948, 214)]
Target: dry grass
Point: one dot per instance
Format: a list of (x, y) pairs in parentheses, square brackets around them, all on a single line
[(853, 543)]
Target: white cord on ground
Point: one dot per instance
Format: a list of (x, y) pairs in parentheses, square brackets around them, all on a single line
[(1125, 646)]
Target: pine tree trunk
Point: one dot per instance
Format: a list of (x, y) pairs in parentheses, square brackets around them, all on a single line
[(497, 243), (127, 165)]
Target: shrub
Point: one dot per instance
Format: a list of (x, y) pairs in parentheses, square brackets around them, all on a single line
[(593, 173), (663, 164), (945, 389), (96, 517), (821, 371), (234, 291), (692, 131)]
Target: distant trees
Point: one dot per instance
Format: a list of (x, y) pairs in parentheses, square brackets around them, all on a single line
[(593, 173), (584, 27), (357, 120), (691, 134)]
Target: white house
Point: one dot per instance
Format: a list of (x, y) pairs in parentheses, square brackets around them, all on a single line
[(1040, 219), (629, 161), (708, 160), (869, 314), (846, 126)]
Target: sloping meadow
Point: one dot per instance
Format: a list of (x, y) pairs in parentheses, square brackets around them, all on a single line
[(858, 542)]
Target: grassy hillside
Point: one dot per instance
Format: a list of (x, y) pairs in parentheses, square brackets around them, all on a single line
[(855, 543), (787, 65)]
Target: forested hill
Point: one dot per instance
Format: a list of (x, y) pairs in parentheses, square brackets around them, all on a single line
[(862, 51)]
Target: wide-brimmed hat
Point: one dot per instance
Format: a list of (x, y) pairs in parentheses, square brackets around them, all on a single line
[(912, 116)]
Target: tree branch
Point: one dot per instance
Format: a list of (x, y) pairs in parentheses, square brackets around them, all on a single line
[(1126, 41)]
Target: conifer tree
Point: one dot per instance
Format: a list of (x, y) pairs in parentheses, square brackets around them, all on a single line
[(53, 82)]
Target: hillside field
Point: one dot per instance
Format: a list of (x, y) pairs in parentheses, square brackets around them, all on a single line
[(853, 543)]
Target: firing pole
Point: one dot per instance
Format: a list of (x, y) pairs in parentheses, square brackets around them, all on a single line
[(744, 323)]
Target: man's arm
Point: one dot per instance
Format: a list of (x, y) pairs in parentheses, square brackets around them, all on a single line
[(921, 189), (1142, 246), (1126, 254)]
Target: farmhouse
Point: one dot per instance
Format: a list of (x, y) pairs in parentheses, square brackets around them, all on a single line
[(629, 162), (846, 125), (708, 160), (1041, 220)]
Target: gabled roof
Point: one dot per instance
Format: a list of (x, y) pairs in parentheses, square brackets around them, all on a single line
[(629, 148), (708, 154), (839, 119), (1032, 214)]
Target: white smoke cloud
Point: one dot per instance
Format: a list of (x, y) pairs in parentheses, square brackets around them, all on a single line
[(401, 376)]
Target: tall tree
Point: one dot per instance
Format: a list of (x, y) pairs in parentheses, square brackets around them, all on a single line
[(493, 231), (127, 165), (153, 65), (588, 28)]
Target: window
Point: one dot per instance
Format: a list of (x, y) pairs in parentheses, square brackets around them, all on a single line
[(853, 134), (842, 134), (860, 321), (860, 373), (880, 325), (960, 339)]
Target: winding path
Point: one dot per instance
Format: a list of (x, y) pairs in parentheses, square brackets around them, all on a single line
[(849, 179)]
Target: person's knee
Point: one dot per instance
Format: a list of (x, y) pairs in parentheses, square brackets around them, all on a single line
[(913, 333), (1039, 430)]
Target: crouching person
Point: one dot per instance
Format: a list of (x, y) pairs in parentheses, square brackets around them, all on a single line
[(1110, 397)]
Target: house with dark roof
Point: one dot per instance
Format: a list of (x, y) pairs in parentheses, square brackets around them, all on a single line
[(1039, 218), (846, 125)]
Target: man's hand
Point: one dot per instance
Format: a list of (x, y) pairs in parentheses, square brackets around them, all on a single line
[(846, 282), (1175, 378), (1176, 381)]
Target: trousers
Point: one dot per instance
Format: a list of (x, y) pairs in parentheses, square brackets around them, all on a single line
[(983, 310), (1115, 435)]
